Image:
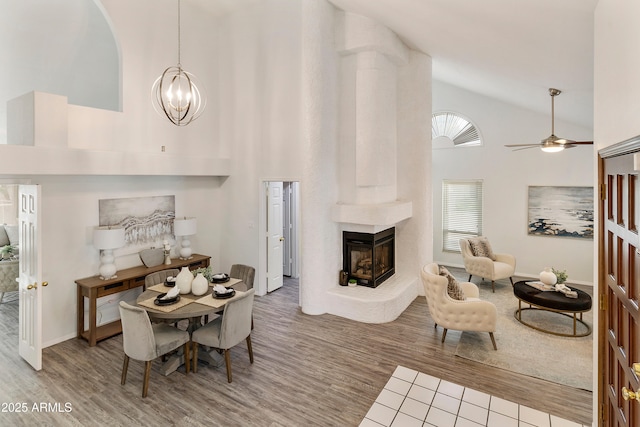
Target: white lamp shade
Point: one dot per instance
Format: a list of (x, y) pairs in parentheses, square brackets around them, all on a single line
[(108, 237), (184, 226)]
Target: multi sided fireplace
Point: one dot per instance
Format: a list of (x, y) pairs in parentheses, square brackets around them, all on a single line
[(369, 258)]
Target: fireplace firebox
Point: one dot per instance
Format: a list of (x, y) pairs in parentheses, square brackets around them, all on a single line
[(369, 258)]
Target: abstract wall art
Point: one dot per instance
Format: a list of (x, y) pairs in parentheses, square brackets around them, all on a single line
[(147, 220), (561, 211)]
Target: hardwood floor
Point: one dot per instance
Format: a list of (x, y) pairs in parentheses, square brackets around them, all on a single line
[(309, 370)]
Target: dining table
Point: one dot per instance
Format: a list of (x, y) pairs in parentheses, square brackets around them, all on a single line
[(192, 308)]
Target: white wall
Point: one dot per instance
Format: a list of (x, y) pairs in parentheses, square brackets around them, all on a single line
[(506, 174), (259, 114), (72, 38), (616, 96)]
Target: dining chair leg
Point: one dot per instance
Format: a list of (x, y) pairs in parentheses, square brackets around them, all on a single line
[(195, 357), (227, 361), (444, 334), (250, 348), (187, 356), (493, 340), (147, 373), (125, 367)]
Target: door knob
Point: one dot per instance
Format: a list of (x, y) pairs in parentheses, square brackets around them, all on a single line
[(282, 239), (35, 285), (45, 283), (630, 395)]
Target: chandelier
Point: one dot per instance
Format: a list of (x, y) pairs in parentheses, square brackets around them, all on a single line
[(175, 93)]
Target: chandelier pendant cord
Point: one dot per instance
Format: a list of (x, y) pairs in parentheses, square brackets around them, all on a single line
[(179, 65)]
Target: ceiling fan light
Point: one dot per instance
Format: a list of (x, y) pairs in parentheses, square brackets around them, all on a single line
[(552, 148)]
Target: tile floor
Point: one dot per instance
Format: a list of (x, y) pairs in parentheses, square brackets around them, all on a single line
[(411, 398)]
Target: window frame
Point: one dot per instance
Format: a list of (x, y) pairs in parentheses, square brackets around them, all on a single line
[(464, 227), (457, 128)]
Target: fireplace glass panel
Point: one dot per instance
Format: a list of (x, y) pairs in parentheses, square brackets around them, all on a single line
[(369, 258)]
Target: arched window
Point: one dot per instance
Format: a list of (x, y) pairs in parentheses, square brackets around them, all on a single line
[(450, 129)]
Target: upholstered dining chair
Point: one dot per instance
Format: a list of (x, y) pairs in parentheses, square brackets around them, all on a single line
[(243, 272), (486, 263), (228, 330), (246, 273), (470, 314), (143, 341), (159, 277)]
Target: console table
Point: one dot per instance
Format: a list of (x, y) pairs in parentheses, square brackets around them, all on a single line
[(130, 278)]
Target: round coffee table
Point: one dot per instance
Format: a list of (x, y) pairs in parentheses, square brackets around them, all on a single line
[(555, 302)]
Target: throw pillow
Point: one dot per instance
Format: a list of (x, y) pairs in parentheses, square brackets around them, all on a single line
[(4, 238), (480, 247), (453, 287), (12, 233)]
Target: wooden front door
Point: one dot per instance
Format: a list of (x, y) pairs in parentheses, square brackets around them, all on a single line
[(618, 288)]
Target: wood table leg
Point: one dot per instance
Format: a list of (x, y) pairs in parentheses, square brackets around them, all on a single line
[(92, 317), (80, 313)]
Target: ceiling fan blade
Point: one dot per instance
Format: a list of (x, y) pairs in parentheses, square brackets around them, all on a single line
[(580, 142), (522, 145), (526, 147)]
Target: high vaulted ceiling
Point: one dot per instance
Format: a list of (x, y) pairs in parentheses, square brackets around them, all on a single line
[(511, 50)]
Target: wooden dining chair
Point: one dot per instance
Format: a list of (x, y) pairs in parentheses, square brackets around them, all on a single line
[(144, 341), (228, 330)]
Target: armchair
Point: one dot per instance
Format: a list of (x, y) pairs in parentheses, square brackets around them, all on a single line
[(470, 314), (500, 266)]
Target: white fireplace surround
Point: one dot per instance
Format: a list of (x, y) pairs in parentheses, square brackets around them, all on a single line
[(371, 58)]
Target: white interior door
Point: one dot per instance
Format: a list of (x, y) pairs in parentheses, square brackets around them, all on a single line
[(274, 236), (287, 229), (30, 293)]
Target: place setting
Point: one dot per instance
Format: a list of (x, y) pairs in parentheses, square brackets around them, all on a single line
[(219, 296), (166, 301)]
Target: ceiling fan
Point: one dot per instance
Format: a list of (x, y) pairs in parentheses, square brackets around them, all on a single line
[(552, 144)]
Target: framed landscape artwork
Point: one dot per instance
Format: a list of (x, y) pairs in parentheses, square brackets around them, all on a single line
[(561, 211)]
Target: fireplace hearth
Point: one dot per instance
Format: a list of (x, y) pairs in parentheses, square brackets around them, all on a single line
[(369, 258)]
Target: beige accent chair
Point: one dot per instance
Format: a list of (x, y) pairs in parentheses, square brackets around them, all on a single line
[(143, 341), (503, 267), (228, 330), (472, 314), (245, 273)]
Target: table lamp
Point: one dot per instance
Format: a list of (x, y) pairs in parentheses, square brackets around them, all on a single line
[(106, 239), (184, 227)]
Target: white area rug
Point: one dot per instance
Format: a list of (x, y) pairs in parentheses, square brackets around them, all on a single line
[(563, 360)]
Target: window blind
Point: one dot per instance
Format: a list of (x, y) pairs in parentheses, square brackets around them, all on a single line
[(461, 212)]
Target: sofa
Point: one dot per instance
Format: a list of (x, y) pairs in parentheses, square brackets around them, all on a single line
[(9, 268)]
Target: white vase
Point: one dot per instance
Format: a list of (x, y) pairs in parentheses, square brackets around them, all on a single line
[(548, 277), (184, 280), (200, 285)]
